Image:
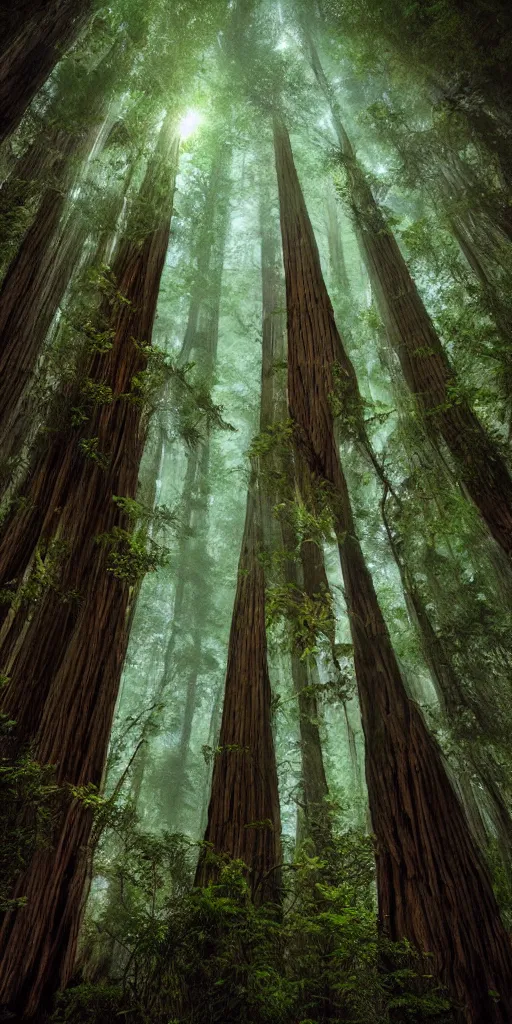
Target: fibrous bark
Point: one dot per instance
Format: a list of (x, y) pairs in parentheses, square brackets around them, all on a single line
[(314, 780), (64, 676), (243, 816), (425, 365), (455, 702), (309, 563), (34, 38), (36, 278), (432, 885), (50, 281)]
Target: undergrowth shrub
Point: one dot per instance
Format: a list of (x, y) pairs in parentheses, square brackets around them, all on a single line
[(185, 955), (29, 802)]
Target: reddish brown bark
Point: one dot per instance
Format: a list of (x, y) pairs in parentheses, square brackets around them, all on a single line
[(55, 156), (33, 41), (458, 704), (315, 821), (425, 365), (33, 287), (314, 780), (26, 419), (36, 278), (22, 191), (243, 816), (64, 259), (64, 675), (432, 885)]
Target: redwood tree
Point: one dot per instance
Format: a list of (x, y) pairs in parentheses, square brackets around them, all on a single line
[(425, 365), (243, 815), (34, 37), (64, 677), (36, 278), (199, 343), (303, 568), (433, 887)]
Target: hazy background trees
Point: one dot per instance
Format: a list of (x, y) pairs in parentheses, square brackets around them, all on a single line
[(143, 308)]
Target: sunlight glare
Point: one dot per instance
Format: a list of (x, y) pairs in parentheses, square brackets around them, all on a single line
[(190, 123)]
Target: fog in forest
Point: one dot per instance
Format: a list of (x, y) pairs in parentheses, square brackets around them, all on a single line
[(256, 511)]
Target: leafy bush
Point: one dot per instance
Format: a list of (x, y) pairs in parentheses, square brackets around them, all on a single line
[(176, 954), (29, 800), (97, 1004)]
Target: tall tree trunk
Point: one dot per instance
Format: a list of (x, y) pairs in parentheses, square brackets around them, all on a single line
[(213, 734), (68, 258), (64, 676), (22, 190), (336, 254), (51, 281), (489, 135), (314, 822), (33, 41), (454, 702), (425, 366), (32, 287), (243, 816), (315, 788), (432, 884), (210, 262), (484, 235), (480, 222), (77, 104), (200, 341)]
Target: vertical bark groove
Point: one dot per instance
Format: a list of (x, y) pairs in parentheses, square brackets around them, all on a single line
[(432, 885), (425, 365), (244, 813), (34, 40), (64, 677), (243, 816)]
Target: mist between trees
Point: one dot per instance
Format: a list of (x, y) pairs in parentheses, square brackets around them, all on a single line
[(256, 511)]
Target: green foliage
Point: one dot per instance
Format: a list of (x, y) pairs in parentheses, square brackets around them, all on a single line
[(161, 951), (136, 512), (92, 1004), (207, 955), (311, 520), (44, 575), (16, 209), (210, 753), (308, 617), (90, 448), (29, 803), (274, 440), (186, 390), (92, 393), (346, 405), (103, 279), (132, 554)]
